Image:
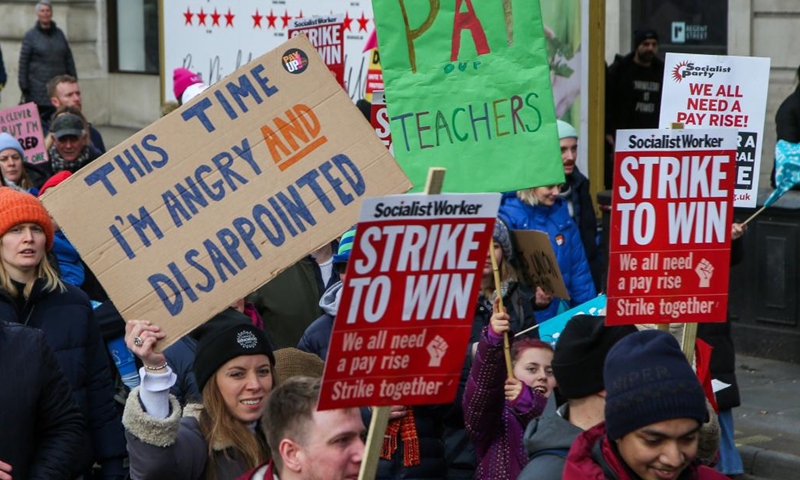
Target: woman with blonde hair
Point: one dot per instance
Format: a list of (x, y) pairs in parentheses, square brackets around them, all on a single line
[(218, 438), (543, 209), (32, 293)]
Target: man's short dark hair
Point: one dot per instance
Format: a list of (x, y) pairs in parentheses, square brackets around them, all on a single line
[(56, 81), (289, 409)]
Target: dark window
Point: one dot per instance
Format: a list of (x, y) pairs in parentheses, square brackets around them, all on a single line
[(686, 26), (133, 36)]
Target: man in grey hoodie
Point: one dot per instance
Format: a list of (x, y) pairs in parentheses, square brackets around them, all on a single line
[(317, 336), (578, 368)]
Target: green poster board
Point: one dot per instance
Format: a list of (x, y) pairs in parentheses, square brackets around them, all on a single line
[(469, 91)]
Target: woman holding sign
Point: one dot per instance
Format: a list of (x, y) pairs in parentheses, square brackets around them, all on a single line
[(217, 439), (541, 208)]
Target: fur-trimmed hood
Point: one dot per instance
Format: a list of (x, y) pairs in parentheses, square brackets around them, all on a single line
[(162, 432)]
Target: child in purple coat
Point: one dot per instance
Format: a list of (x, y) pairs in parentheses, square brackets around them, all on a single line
[(497, 409)]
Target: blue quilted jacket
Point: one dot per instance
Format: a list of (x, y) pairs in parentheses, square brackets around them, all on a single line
[(566, 241)]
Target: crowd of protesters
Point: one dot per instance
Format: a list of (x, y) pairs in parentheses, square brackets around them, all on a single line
[(236, 398)]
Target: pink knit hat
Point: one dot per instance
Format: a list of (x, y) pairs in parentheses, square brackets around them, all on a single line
[(182, 79)]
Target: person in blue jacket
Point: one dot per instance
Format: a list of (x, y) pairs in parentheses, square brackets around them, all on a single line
[(31, 293), (541, 208)]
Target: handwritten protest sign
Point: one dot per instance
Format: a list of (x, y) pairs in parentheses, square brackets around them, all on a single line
[(539, 262), (379, 119), (702, 91), (22, 122), (405, 315), (213, 200), (326, 33), (468, 89), (669, 247)]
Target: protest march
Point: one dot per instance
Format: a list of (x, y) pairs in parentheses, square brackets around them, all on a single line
[(349, 247)]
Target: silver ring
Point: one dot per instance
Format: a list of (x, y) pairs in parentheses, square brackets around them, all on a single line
[(138, 341)]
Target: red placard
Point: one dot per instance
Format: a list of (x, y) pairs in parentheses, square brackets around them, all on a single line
[(408, 301), (669, 243), (326, 33), (379, 118)]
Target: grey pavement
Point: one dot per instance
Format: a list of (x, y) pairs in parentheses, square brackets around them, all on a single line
[(767, 424)]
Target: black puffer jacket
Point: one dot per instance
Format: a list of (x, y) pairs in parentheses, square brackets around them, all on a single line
[(71, 331), (44, 54), (3, 76), (40, 423), (723, 357)]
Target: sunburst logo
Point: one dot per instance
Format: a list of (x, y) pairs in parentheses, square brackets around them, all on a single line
[(677, 73)]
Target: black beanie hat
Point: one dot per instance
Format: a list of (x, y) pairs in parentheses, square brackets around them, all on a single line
[(228, 335), (643, 34), (580, 353), (648, 380)]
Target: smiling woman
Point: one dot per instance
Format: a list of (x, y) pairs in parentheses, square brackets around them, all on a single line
[(233, 369)]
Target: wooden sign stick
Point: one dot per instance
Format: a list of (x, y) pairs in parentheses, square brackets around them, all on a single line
[(499, 293)]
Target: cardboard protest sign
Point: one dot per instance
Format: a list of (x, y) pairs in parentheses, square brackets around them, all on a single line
[(23, 123), (669, 240), (539, 262), (326, 33), (407, 307), (550, 330), (379, 118), (215, 199), (702, 91), (468, 89)]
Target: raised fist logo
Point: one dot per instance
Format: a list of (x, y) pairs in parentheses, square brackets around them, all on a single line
[(704, 270), (436, 349)]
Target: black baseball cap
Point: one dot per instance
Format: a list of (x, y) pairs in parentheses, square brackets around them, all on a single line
[(67, 125)]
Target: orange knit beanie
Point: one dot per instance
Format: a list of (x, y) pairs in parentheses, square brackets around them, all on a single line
[(17, 207)]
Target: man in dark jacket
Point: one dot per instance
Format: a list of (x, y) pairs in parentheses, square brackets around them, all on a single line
[(578, 368), (44, 54), (41, 424), (723, 369), (305, 282), (633, 91), (3, 76), (576, 192), (64, 91), (71, 149)]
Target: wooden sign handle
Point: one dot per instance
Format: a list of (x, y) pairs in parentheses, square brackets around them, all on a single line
[(499, 293)]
